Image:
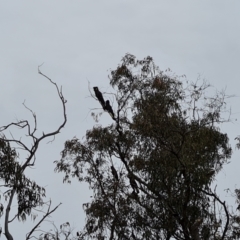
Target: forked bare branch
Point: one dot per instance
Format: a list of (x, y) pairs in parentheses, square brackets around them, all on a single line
[(30, 160), (48, 213)]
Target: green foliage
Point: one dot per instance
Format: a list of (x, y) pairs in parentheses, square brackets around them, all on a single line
[(29, 194), (9, 168), (167, 148)]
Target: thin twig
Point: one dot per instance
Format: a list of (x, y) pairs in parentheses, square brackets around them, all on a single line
[(46, 215)]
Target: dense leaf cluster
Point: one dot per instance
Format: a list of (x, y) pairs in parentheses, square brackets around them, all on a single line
[(166, 147), (29, 194)]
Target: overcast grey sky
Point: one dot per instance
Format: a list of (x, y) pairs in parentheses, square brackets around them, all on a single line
[(80, 41)]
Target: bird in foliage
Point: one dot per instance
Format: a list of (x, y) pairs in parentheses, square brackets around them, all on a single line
[(99, 96), (114, 173), (109, 109), (97, 162), (133, 183), (210, 173)]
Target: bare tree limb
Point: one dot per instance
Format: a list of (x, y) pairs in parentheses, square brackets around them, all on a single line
[(43, 218), (7, 233), (225, 209), (30, 160)]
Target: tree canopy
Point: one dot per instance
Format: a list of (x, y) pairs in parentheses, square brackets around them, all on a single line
[(151, 170)]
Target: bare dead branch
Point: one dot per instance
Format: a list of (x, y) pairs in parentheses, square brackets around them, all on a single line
[(48, 213), (225, 209), (30, 161), (37, 140), (35, 120)]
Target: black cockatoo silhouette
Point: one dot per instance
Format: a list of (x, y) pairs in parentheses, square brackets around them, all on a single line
[(114, 173), (97, 162), (99, 96), (109, 109), (133, 183)]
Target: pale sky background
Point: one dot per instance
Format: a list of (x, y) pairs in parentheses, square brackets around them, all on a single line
[(80, 41)]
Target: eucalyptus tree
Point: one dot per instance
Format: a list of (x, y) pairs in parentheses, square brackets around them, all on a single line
[(152, 169)]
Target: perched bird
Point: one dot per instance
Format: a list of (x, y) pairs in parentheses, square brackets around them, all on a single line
[(210, 173), (133, 235), (99, 96), (114, 173), (109, 109), (97, 161), (133, 183)]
